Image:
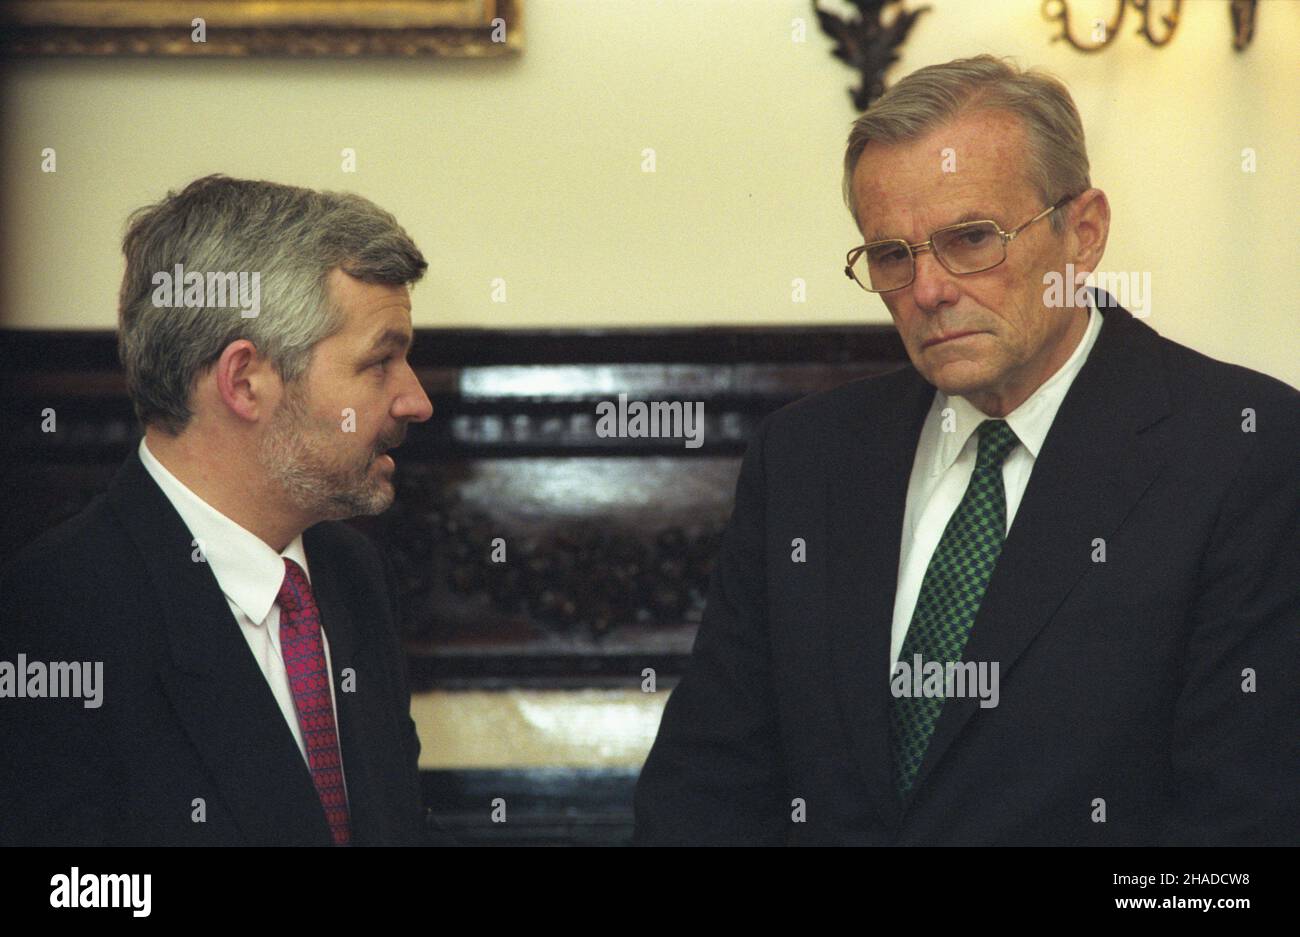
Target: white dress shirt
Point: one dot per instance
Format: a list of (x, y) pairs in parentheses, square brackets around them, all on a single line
[(944, 462), (249, 573)]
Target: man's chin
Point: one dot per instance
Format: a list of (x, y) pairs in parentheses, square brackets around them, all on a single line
[(379, 496), (958, 378), (371, 493), (377, 501)]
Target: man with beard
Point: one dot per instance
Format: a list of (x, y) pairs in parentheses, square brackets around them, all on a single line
[(253, 688)]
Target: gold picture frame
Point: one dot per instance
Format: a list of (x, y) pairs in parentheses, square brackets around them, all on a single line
[(459, 28)]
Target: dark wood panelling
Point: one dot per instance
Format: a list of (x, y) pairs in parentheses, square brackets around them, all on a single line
[(609, 542)]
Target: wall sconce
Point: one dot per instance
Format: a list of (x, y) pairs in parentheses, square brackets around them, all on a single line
[(1241, 12), (868, 43)]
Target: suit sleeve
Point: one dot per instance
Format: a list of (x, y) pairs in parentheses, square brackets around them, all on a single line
[(714, 775), (1236, 721), (50, 791)]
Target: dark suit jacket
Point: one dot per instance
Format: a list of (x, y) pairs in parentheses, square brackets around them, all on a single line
[(1120, 681), (186, 711)]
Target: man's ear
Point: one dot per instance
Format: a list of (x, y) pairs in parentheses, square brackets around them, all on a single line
[(1087, 226), (242, 379)]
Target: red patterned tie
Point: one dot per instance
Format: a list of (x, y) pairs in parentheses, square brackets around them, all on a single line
[(304, 661)]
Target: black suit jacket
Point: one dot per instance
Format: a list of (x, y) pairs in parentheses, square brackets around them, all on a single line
[(187, 714), (1121, 682)]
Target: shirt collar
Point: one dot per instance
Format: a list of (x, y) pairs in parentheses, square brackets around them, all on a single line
[(1031, 420), (248, 571)]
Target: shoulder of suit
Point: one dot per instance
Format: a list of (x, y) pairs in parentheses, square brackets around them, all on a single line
[(56, 585), (1195, 378), (851, 400), (87, 539), (1229, 413)]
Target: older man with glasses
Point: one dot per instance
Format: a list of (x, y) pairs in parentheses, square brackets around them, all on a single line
[(1042, 586)]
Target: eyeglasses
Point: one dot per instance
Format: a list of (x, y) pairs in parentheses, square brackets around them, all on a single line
[(969, 247)]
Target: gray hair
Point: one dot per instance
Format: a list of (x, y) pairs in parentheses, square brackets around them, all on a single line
[(291, 237), (1057, 162)]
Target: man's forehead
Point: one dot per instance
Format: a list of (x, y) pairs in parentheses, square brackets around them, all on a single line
[(370, 308), (917, 214), (389, 335), (973, 164), (352, 293), (982, 139)]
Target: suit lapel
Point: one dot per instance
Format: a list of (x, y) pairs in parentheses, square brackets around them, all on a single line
[(1095, 464), (215, 686), (360, 723), (866, 496)]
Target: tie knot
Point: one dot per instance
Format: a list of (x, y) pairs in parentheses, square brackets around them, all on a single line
[(295, 591), (997, 439)]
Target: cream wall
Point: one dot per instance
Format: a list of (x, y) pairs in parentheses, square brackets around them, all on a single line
[(530, 169)]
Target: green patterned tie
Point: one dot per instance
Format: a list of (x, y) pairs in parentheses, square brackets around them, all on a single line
[(951, 593)]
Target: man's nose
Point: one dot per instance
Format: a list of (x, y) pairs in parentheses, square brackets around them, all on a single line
[(933, 287), (412, 402)]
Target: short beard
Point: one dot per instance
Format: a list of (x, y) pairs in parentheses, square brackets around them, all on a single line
[(293, 455)]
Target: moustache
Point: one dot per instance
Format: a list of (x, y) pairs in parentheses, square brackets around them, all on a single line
[(393, 444)]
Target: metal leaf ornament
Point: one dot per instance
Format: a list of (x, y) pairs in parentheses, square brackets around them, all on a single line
[(868, 44)]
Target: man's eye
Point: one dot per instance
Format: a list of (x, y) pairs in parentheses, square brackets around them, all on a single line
[(888, 255), (382, 363)]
